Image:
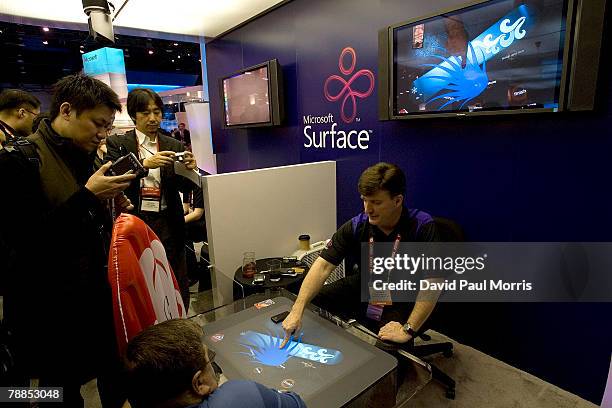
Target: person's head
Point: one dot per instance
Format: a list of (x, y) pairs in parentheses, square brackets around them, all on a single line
[(145, 107), (83, 109), (168, 365), (382, 188), (181, 126), (19, 109)]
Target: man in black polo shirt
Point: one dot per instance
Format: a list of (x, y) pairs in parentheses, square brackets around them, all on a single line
[(385, 219)]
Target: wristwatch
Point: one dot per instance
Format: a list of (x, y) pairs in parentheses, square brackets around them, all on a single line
[(409, 330)]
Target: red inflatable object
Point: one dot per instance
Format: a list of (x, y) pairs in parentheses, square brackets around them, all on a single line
[(145, 291)]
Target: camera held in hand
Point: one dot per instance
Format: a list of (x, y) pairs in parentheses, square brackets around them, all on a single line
[(180, 157), (125, 164)]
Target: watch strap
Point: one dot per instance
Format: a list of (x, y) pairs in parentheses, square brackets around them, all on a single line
[(409, 330)]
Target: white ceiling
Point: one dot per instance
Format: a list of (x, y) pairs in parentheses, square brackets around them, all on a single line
[(191, 17)]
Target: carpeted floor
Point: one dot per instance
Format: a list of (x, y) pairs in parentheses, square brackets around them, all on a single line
[(483, 381)]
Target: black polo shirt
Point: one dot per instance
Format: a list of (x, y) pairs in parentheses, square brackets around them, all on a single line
[(414, 226)]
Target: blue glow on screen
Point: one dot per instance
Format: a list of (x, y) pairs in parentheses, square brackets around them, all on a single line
[(491, 56), (265, 349)]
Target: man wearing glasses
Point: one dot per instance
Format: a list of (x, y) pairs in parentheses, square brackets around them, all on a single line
[(17, 112)]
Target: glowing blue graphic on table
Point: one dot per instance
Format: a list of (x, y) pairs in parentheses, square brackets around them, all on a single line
[(264, 349), (466, 83)]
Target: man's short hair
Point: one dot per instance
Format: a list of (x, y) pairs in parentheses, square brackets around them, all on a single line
[(382, 176), (82, 93), (139, 98), (161, 360), (16, 98)]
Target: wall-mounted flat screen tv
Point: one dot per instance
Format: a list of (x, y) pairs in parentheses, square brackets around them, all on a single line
[(493, 56), (253, 97)]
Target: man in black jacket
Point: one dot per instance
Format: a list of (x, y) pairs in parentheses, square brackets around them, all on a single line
[(58, 300), (18, 109), (156, 196), (183, 135)]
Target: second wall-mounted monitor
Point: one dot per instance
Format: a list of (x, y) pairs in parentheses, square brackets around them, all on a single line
[(253, 97), (487, 57)]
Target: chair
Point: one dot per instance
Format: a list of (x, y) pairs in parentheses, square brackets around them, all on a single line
[(308, 257), (448, 231), (144, 288)]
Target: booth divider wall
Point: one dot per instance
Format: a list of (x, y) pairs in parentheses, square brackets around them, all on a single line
[(264, 211)]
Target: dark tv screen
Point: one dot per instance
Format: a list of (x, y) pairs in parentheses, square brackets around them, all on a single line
[(496, 55), (246, 97)]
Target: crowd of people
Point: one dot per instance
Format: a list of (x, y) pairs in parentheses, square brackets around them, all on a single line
[(54, 238)]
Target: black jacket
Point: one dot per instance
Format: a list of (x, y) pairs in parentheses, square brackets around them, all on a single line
[(120, 145), (58, 299)]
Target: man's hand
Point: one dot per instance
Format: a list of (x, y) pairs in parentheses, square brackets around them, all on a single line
[(394, 332), (123, 204), (190, 161), (292, 324), (159, 159), (106, 187)]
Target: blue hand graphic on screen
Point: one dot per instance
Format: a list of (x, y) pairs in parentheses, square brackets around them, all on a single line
[(264, 349), (463, 84), (448, 80)]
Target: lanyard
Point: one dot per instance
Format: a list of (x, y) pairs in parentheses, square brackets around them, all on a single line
[(138, 147), (141, 146), (398, 238)]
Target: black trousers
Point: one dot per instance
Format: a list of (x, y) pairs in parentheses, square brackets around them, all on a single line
[(343, 298)]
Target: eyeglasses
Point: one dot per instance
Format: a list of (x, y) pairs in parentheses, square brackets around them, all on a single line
[(29, 111), (211, 356)]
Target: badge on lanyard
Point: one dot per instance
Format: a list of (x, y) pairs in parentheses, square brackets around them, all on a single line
[(379, 298), (150, 199)]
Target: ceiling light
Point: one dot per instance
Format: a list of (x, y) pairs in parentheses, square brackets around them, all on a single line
[(150, 52), (189, 55), (45, 42), (179, 57), (82, 46), (176, 44), (46, 29), (172, 60)]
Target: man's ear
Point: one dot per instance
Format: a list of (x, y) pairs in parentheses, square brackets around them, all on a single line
[(65, 110), (199, 384), (399, 200)]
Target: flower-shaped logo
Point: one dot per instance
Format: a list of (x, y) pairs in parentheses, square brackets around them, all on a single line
[(347, 93)]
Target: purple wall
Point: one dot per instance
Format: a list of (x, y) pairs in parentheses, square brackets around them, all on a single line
[(521, 178)]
